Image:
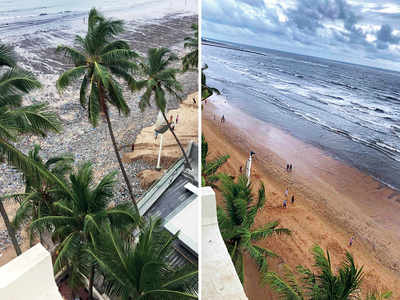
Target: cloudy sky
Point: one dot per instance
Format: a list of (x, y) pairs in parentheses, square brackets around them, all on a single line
[(359, 31)]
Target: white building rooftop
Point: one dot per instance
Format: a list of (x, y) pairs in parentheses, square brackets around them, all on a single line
[(186, 221), (29, 276)]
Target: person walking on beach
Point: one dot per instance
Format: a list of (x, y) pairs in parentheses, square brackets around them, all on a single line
[(284, 203), (133, 147), (194, 100), (290, 167), (286, 193), (222, 119), (241, 169), (177, 118), (292, 199), (171, 119), (351, 241), (155, 134), (287, 167)]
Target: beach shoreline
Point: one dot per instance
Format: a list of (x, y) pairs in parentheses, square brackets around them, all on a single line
[(333, 200)]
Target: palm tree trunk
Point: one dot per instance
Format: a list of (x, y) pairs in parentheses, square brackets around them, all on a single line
[(10, 229), (91, 281), (121, 165), (187, 163)]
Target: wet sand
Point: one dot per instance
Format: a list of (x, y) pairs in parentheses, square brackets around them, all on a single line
[(333, 201)]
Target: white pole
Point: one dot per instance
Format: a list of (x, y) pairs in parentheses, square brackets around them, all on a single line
[(248, 169), (159, 154)]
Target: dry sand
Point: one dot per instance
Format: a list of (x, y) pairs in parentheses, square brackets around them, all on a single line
[(147, 147), (332, 200)]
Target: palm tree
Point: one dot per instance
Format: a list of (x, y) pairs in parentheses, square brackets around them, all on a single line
[(376, 295), (17, 119), (98, 58), (210, 168), (206, 91), (40, 193), (236, 223), (324, 284), (161, 78), (80, 217), (140, 269), (191, 60)]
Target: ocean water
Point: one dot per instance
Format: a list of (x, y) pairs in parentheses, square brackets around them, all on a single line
[(35, 26), (350, 111), (31, 14)]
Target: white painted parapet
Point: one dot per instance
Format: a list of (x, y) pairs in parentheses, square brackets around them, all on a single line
[(219, 279), (29, 276)]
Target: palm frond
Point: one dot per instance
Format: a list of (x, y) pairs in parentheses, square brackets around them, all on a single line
[(18, 80), (287, 288), (36, 119), (72, 55), (7, 56)]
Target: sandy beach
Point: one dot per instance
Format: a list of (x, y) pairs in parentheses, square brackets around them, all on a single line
[(146, 147), (332, 200)]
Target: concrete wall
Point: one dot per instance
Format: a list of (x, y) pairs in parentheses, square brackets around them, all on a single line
[(29, 276), (218, 275)]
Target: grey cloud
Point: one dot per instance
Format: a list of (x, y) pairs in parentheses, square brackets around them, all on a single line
[(308, 25), (231, 13), (385, 34), (310, 14)]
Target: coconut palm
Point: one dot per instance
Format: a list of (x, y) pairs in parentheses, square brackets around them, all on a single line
[(323, 284), (80, 217), (40, 193), (160, 79), (99, 59), (376, 295), (206, 91), (210, 168), (17, 119), (236, 222), (191, 60), (140, 269)]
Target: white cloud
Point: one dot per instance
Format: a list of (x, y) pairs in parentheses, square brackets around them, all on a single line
[(355, 30)]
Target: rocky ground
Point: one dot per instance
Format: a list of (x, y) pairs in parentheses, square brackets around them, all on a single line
[(78, 136)]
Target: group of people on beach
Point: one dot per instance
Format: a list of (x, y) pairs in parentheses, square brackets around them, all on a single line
[(289, 167), (285, 201), (171, 121)]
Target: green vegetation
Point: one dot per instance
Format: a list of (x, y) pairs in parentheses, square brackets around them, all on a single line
[(324, 283), (79, 217), (140, 269), (98, 58), (236, 222), (206, 91), (191, 60), (65, 205), (17, 119), (209, 169), (41, 194), (160, 79)]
